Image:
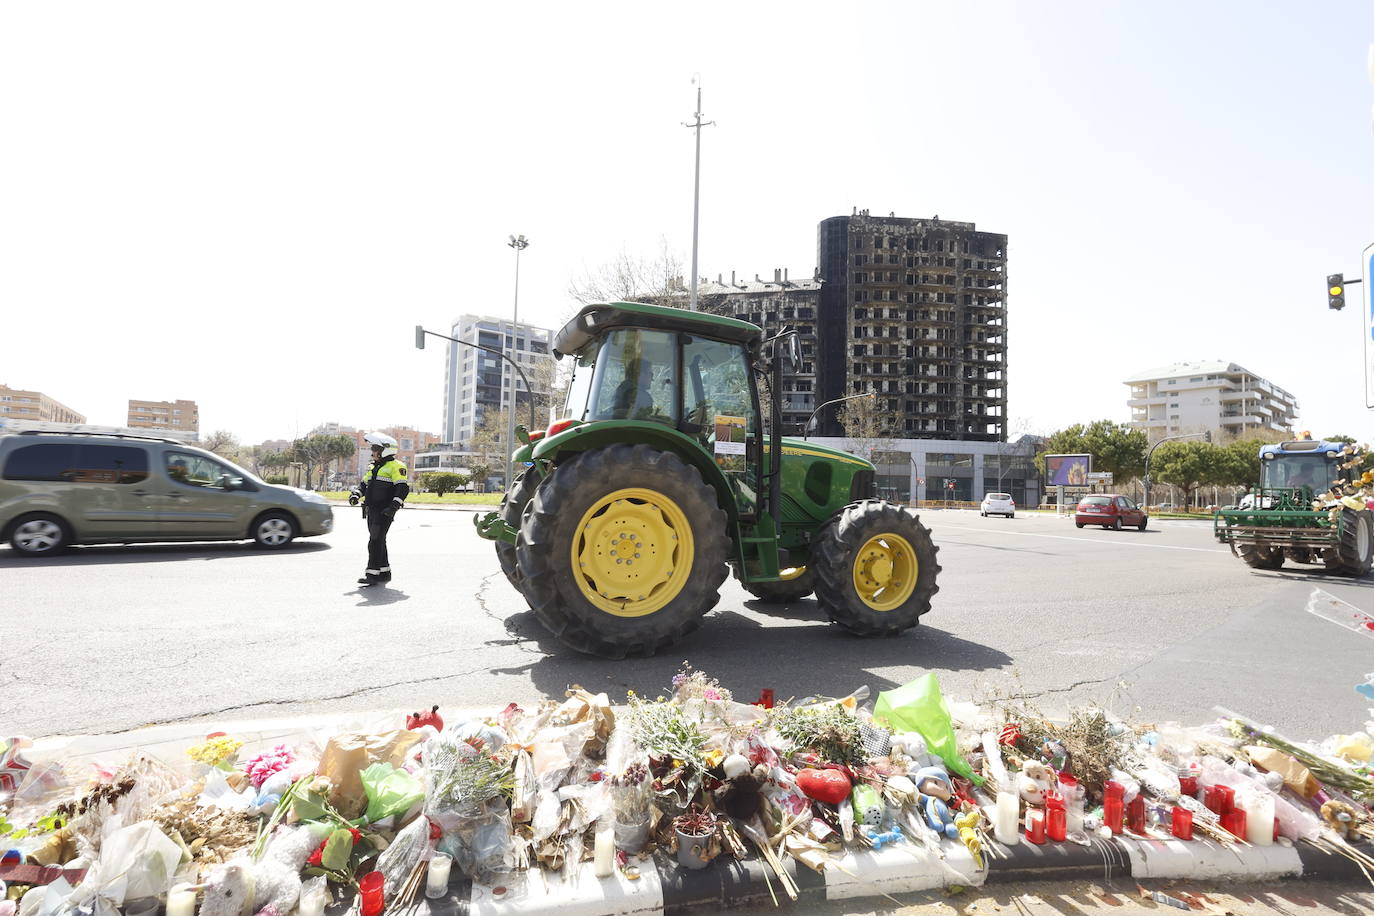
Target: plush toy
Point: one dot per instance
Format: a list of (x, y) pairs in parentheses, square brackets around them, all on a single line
[(420, 719), (830, 786), (226, 889), (936, 791), (1341, 818), (1034, 780), (740, 795), (967, 823), (869, 809), (912, 746)]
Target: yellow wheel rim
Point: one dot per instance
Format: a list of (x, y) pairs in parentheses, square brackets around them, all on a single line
[(632, 552), (885, 571)]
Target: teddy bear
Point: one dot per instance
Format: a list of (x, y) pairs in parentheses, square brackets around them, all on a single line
[(274, 881), (1034, 780), (910, 747), (1341, 818)]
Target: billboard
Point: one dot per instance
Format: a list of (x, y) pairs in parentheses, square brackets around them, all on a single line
[(1067, 470)]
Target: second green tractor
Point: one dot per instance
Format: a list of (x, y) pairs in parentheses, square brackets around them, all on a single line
[(664, 477)]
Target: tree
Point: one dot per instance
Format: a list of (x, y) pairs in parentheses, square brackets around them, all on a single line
[(317, 451), (442, 482), (226, 445), (867, 421), (480, 473), (270, 460), (630, 278), (1190, 465)]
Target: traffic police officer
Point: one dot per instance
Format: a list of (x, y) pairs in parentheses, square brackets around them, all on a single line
[(384, 488)]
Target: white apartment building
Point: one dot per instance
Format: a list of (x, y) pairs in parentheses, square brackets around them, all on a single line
[(1227, 399), (477, 382)]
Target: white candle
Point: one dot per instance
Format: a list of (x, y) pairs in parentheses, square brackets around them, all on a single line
[(311, 905), (1008, 811), (436, 885), (605, 852), (181, 901)]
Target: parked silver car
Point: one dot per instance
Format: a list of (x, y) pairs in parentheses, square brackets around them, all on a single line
[(58, 489)]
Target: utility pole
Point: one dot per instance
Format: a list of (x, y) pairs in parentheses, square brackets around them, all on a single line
[(519, 243), (696, 124)]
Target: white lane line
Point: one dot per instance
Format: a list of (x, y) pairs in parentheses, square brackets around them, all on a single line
[(1082, 540)]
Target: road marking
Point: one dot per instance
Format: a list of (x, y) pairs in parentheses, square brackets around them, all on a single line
[(1327, 606), (1082, 540)]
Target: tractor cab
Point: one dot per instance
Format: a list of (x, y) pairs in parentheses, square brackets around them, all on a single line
[(661, 478), (1299, 469)]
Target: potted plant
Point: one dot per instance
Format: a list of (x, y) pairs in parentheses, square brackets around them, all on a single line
[(694, 830)]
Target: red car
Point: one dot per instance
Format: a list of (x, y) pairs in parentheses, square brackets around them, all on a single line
[(1110, 511)]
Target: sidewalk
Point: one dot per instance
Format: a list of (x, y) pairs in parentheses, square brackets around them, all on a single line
[(460, 507)]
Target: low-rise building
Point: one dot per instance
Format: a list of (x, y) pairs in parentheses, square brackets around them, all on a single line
[(19, 404), (1213, 396), (178, 415)]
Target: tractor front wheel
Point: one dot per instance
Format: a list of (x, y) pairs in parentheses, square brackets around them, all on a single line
[(623, 550), (1258, 556), (795, 585), (1354, 549), (875, 568), (512, 505)]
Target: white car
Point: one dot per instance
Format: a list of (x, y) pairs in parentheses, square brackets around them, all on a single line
[(998, 504)]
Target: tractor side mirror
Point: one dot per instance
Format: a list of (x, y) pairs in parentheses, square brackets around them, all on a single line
[(793, 345)]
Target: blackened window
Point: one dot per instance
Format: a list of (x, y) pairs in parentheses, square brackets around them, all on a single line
[(41, 462), (877, 241), (112, 464)]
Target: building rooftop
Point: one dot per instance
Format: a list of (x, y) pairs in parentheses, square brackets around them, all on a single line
[(1174, 370)]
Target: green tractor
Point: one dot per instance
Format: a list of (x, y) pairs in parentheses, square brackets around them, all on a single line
[(662, 478), (1284, 517)]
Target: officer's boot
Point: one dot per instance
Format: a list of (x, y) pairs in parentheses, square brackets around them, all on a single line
[(371, 578)]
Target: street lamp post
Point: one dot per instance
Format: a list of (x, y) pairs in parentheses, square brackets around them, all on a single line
[(420, 333), (519, 243), (697, 124), (806, 431)]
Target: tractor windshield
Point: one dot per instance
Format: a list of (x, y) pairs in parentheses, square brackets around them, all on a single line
[(635, 377), (1292, 471)]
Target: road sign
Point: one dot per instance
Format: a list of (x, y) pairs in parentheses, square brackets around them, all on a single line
[(1367, 299), (1100, 477)]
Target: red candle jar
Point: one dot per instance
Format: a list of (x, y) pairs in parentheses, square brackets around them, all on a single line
[(1187, 781), (1035, 826), (1135, 815), (1056, 818), (1234, 821), (1113, 807), (370, 889), (1182, 826), (1219, 799)]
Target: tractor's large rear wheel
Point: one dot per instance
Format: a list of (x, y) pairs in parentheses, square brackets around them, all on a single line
[(875, 568), (623, 550), (1260, 556), (1357, 540), (794, 585), (512, 505)]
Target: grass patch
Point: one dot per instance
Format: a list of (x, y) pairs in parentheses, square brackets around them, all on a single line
[(448, 499)]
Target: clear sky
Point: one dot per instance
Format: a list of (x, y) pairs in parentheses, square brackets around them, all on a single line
[(252, 204)]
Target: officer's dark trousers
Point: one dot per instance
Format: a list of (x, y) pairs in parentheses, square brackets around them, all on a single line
[(377, 560)]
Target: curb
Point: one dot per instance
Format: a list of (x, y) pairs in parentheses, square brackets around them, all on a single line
[(665, 887)]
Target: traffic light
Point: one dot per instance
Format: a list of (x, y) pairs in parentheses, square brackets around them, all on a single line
[(1207, 436), (1335, 291)]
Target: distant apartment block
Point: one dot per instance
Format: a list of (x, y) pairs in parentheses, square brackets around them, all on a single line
[(1226, 399), (477, 383), (17, 404), (177, 415)]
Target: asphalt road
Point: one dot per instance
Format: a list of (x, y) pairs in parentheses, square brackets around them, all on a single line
[(1158, 625)]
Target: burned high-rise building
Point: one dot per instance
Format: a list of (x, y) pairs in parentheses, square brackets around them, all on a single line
[(914, 310)]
